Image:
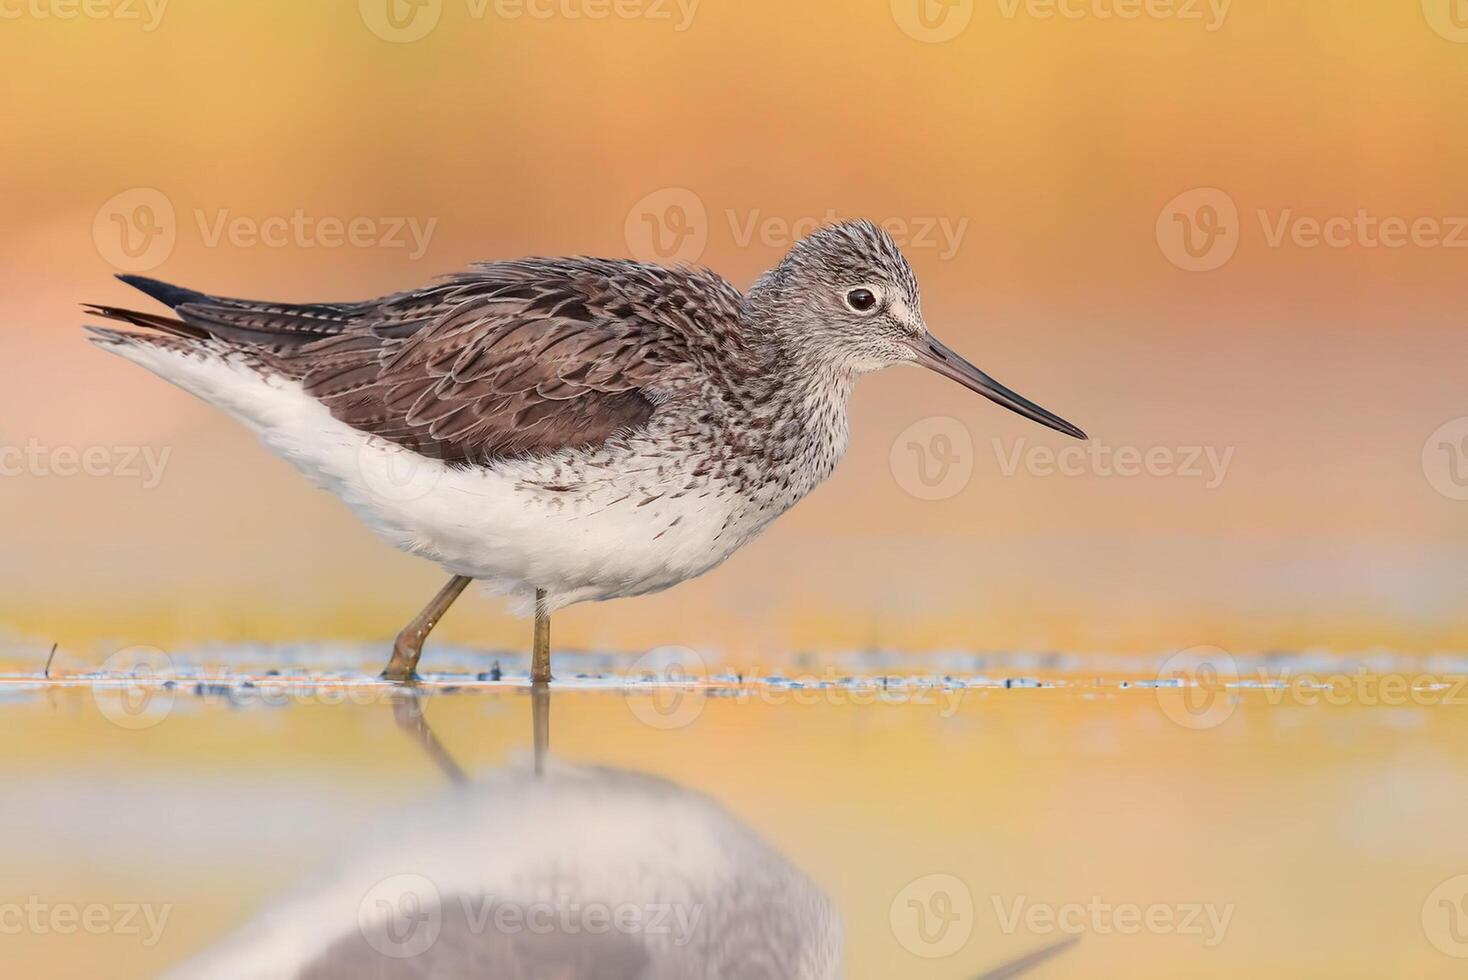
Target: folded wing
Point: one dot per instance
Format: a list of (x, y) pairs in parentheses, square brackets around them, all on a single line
[(510, 359)]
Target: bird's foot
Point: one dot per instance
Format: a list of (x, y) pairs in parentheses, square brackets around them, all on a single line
[(402, 668), (406, 677)]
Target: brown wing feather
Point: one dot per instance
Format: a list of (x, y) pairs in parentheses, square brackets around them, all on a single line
[(515, 358), (267, 324)]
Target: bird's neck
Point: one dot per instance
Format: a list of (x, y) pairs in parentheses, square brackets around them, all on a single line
[(796, 400), (790, 363)]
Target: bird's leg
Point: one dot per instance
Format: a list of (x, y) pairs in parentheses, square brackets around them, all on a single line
[(540, 656), (408, 647)]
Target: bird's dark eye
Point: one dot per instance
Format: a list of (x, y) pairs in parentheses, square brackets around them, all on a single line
[(861, 300)]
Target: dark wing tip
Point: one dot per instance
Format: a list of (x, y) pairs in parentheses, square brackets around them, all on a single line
[(166, 293)]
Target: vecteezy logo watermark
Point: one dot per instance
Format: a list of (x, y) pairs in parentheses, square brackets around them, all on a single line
[(148, 13), (401, 916), (145, 463), (1445, 917), (1207, 464), (1449, 18), (1102, 918), (1445, 459), (669, 227), (667, 687), (1200, 230), (1193, 687), (1210, 13), (933, 916), (932, 21), (395, 474), (933, 459), (400, 21), (38, 917), (137, 230), (136, 688), (404, 21)]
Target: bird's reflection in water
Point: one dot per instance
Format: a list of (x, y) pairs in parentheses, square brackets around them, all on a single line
[(548, 871)]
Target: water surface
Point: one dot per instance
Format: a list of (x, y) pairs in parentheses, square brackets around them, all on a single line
[(943, 825)]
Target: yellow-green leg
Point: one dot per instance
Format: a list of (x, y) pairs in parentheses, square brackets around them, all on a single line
[(403, 667), (540, 672)]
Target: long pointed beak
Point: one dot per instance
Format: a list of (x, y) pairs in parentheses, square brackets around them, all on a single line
[(932, 353)]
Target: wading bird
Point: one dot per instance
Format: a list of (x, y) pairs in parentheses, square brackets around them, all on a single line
[(563, 429)]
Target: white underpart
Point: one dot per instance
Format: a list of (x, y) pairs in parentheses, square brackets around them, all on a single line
[(485, 522)]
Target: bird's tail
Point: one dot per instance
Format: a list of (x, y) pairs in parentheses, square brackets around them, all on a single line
[(157, 332)]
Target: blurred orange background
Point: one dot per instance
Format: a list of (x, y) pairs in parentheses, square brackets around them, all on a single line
[(1038, 169)]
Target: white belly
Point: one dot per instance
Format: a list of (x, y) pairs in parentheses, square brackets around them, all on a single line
[(604, 541), (623, 531)]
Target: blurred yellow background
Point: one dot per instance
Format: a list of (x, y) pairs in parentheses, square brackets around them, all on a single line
[(1126, 218)]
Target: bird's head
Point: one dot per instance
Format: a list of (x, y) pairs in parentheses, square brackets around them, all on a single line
[(846, 297)]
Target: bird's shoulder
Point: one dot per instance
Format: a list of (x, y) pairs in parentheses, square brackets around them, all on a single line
[(594, 293)]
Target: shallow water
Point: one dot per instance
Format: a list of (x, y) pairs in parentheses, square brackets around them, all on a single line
[(940, 825)]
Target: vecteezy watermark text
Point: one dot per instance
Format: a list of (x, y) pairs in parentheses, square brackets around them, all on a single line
[(668, 687), (1102, 918), (1206, 463), (679, 13), (301, 230), (405, 21), (939, 234), (567, 916), (1362, 229), (1210, 13), (1363, 688), (672, 225), (145, 463), (403, 915), (1198, 688), (38, 917), (149, 13), (936, 21)]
